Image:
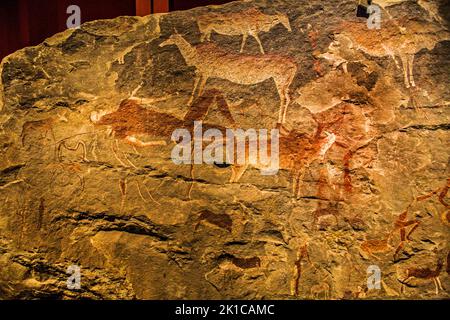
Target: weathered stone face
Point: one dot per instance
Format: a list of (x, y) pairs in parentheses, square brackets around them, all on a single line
[(86, 176)]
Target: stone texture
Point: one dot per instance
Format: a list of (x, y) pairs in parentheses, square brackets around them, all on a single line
[(86, 180)]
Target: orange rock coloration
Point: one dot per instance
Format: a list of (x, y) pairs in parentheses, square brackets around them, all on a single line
[(87, 181)]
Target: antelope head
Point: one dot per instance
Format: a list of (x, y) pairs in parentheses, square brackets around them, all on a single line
[(284, 20), (96, 116)]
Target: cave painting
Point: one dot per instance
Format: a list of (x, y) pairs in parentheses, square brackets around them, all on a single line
[(424, 273), (441, 194), (340, 128), (132, 120), (335, 102), (430, 7), (397, 38), (402, 225), (245, 23), (41, 129), (297, 151), (211, 61)]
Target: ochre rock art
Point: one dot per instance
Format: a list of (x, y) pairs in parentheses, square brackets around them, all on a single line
[(296, 153), (425, 274), (370, 247), (87, 176), (211, 61), (430, 7), (403, 226), (392, 41), (247, 23)]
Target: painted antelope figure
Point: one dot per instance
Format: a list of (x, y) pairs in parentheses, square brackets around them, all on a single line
[(132, 120), (425, 274), (212, 62), (391, 41), (297, 151), (442, 194), (431, 7), (246, 23)]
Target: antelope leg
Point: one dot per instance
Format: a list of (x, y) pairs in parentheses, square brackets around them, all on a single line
[(436, 285), (114, 150), (287, 101), (123, 191), (225, 109), (400, 247), (298, 182), (411, 67), (397, 65), (244, 41), (197, 81), (233, 175), (255, 35), (202, 86), (281, 93), (439, 283), (124, 155), (139, 192), (344, 67), (204, 36), (241, 172), (280, 117), (191, 172), (405, 69), (416, 225)]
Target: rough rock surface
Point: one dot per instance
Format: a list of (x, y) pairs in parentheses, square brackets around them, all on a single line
[(86, 180)]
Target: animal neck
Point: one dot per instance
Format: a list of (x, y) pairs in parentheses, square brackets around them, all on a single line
[(276, 20), (187, 50), (326, 144), (273, 20)]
